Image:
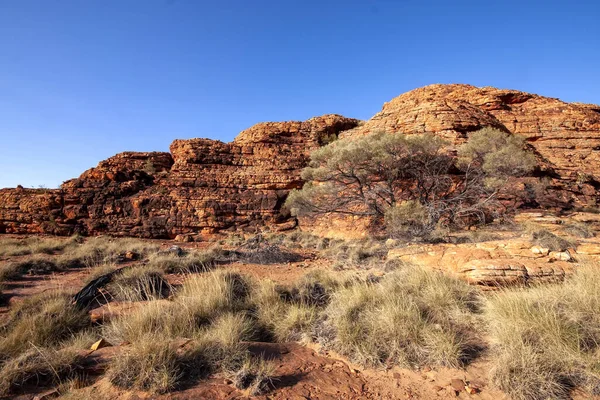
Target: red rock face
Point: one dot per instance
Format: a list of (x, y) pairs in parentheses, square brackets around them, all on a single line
[(205, 186), (200, 186), (566, 136)]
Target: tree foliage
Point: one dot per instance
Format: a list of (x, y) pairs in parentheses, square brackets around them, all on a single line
[(377, 174)]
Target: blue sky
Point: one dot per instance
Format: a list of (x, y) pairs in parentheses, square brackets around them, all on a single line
[(81, 80)]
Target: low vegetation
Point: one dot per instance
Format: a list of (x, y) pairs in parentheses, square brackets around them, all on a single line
[(542, 340), (38, 341), (546, 339), (410, 318), (550, 241), (36, 245)]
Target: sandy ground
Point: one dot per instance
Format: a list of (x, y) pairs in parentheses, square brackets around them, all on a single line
[(303, 372)]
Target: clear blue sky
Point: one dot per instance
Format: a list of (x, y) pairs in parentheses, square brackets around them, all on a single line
[(81, 80)]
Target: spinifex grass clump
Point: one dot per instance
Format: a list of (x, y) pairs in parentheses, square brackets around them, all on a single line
[(38, 341), (290, 313), (211, 312), (546, 339), (36, 245), (190, 262), (42, 320), (411, 317)]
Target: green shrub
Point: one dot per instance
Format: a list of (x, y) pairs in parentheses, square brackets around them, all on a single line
[(408, 220)]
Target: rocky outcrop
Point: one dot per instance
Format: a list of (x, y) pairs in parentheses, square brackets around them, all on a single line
[(201, 186), (515, 259), (205, 186), (566, 136)]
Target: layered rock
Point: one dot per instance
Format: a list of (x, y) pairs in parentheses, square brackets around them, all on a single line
[(512, 260), (204, 186), (201, 186), (565, 136)]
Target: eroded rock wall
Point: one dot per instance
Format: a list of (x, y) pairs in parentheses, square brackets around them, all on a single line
[(205, 186), (565, 136), (201, 186)]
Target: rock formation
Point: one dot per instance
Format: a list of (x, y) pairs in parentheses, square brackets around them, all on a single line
[(566, 136), (201, 186), (205, 186)]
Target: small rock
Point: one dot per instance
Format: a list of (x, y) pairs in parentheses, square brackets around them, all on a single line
[(176, 250), (457, 384), (540, 250), (560, 256), (391, 243), (472, 389), (430, 375), (100, 344), (183, 238)]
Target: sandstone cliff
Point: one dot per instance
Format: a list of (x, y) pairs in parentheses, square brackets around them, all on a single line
[(205, 186), (201, 186)]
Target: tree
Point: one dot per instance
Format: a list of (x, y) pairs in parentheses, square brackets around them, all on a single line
[(375, 174)]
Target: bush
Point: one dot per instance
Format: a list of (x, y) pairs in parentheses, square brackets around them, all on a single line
[(370, 175), (498, 154), (408, 220), (547, 338), (548, 240)]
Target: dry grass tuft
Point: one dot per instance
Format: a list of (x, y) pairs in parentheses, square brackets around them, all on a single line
[(35, 265), (256, 375), (579, 230), (150, 363), (195, 261), (43, 320), (212, 310), (411, 317), (546, 340), (101, 250), (43, 366), (290, 313), (36, 245), (549, 240), (139, 283)]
